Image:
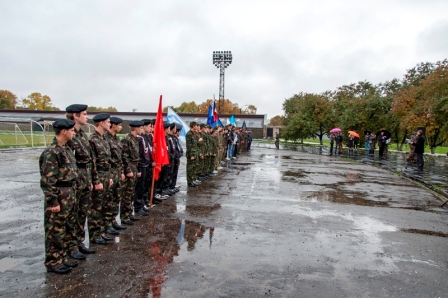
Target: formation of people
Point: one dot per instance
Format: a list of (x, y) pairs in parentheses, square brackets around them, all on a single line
[(93, 179), (88, 181), (208, 147)]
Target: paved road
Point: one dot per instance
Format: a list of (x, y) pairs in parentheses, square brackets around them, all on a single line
[(273, 223)]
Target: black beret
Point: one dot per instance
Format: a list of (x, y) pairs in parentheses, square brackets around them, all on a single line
[(153, 121), (76, 108), (146, 121), (193, 123), (63, 124), (116, 120), (172, 125), (202, 125), (136, 123), (101, 117), (179, 126), (166, 125)]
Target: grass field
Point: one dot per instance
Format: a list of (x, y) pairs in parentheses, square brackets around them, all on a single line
[(10, 140)]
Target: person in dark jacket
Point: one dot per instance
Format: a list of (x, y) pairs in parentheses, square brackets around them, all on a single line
[(419, 149), (382, 143)]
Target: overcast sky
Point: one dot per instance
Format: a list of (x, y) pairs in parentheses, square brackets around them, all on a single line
[(126, 53)]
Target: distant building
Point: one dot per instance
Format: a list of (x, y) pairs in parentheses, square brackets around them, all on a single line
[(271, 131), (255, 123)]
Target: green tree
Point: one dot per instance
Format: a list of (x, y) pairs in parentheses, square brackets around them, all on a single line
[(276, 121), (8, 100), (307, 115), (101, 109), (425, 103), (37, 101)]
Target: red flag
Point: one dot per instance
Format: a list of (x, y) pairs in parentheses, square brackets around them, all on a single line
[(160, 156)]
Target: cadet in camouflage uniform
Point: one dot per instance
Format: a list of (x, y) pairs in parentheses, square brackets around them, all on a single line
[(213, 149), (101, 178), (220, 142), (81, 148), (130, 158), (203, 153), (58, 172), (192, 140), (114, 192)]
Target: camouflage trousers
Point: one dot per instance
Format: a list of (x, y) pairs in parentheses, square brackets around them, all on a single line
[(96, 220), (113, 197), (84, 203), (192, 169), (211, 164), (218, 157), (201, 167), (128, 191), (59, 228)]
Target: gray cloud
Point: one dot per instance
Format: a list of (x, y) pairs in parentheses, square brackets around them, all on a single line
[(112, 53)]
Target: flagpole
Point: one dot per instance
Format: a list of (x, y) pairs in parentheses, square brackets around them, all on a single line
[(152, 188)]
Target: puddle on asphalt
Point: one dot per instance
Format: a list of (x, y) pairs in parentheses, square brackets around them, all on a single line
[(8, 263), (242, 163), (344, 197), (297, 174), (425, 232), (174, 237), (201, 210)]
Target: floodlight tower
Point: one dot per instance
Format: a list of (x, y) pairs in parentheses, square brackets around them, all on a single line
[(221, 59)]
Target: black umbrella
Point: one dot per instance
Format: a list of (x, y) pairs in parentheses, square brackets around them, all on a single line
[(387, 133), (367, 132)]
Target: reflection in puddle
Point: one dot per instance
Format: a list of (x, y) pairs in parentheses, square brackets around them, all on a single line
[(172, 236), (201, 210), (297, 174), (345, 197), (425, 232)]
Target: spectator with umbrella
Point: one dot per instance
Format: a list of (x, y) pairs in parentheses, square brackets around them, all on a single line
[(336, 132)]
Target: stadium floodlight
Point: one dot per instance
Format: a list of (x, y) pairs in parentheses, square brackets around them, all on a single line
[(221, 59)]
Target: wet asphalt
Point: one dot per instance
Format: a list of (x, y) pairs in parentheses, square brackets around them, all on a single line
[(280, 223)]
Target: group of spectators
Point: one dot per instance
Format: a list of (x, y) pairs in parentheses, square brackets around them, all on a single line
[(382, 140)]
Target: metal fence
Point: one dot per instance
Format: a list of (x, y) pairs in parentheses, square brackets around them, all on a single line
[(29, 133)]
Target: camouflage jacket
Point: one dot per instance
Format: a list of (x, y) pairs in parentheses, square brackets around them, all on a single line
[(81, 146), (58, 169), (100, 155), (116, 149), (130, 155), (214, 144), (192, 141)]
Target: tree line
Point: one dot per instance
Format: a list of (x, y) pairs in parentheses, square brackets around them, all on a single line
[(223, 106), (419, 99), (37, 101)]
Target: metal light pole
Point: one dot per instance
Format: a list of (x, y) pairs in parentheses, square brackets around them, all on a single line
[(221, 59)]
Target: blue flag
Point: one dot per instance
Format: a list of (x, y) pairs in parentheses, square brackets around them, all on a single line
[(232, 120), (173, 117), (244, 125)]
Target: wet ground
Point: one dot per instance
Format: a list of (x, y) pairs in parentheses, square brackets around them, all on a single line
[(434, 175), (277, 223)]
